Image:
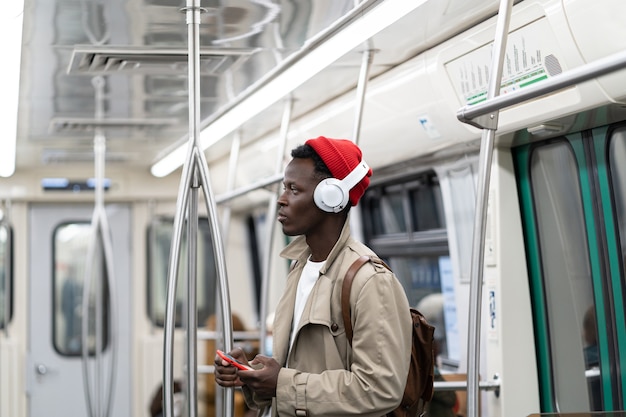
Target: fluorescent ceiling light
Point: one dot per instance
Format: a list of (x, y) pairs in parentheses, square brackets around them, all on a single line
[(11, 31), (378, 18)]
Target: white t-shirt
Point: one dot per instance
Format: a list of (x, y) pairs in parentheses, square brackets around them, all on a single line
[(310, 274)]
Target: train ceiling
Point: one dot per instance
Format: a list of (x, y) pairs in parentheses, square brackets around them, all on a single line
[(138, 48)]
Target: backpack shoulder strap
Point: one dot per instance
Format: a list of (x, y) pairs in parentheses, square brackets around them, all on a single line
[(345, 293)]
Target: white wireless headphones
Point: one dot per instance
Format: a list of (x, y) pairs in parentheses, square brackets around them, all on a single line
[(332, 195)]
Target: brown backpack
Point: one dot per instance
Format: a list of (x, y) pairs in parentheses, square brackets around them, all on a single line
[(419, 384)]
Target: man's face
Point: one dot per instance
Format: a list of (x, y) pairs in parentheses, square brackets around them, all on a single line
[(297, 211)]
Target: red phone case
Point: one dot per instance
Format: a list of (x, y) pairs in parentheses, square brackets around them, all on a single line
[(233, 361)]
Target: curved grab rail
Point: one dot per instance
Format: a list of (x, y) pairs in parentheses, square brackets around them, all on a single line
[(100, 233), (100, 239), (195, 175), (6, 302)]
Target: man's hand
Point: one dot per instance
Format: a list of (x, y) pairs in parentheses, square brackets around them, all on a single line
[(262, 381), (225, 373)]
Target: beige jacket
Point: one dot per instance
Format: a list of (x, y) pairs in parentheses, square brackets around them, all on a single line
[(322, 375)]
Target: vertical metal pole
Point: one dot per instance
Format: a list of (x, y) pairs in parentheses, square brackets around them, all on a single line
[(480, 215), (192, 307), (195, 174), (366, 64), (230, 185), (270, 222), (193, 36)]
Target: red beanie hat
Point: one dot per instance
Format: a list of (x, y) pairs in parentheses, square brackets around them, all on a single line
[(341, 156)]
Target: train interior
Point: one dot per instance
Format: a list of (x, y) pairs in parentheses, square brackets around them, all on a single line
[(104, 96)]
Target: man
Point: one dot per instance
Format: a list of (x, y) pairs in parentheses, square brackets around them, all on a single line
[(314, 371)]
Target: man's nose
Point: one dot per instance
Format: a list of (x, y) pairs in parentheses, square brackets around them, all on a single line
[(281, 200)]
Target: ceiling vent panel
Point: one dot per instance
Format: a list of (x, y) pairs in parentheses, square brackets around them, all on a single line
[(63, 156), (86, 124), (99, 60)]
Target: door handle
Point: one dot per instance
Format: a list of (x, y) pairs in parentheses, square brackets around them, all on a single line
[(41, 369)]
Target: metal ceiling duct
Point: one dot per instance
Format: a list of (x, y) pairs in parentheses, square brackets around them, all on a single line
[(58, 124), (105, 59)]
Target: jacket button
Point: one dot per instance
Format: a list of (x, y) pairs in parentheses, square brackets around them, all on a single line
[(334, 327)]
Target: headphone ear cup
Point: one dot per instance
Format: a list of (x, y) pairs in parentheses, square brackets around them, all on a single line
[(330, 195)]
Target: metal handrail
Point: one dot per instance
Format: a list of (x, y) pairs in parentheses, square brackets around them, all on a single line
[(238, 192), (492, 385), (480, 215), (599, 67), (237, 335)]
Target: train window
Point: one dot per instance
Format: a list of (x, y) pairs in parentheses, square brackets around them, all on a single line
[(404, 224), (426, 204), (419, 275), (6, 274), (387, 210), (71, 242), (159, 242), (414, 205), (565, 263), (461, 190)]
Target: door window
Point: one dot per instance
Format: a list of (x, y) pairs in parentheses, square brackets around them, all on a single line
[(573, 196), (567, 281), (6, 275), (71, 242)]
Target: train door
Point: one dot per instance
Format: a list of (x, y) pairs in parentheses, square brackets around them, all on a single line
[(58, 248), (573, 197)]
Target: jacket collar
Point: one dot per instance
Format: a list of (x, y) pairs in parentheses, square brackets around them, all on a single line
[(299, 251)]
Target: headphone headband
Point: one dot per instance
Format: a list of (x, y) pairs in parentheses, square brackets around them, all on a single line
[(356, 175), (332, 194)]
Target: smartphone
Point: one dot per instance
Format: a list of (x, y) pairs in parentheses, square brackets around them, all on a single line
[(228, 358)]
